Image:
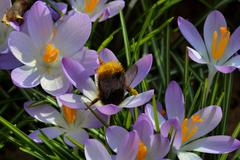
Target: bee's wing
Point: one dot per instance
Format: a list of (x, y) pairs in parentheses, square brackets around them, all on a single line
[(130, 75)]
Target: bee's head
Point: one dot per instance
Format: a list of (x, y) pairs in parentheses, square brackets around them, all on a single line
[(110, 68)]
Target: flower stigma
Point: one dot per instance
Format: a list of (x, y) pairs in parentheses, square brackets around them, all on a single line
[(51, 53), (69, 114), (219, 44), (189, 127), (90, 5), (142, 151)]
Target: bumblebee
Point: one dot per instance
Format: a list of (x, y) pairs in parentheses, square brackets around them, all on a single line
[(15, 13), (113, 82)]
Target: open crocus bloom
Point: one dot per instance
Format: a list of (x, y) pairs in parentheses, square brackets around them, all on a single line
[(188, 131), (7, 60), (42, 49), (76, 75), (70, 122), (98, 9), (218, 48)]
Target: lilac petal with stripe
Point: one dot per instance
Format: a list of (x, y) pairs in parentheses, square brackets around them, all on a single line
[(107, 55), (115, 136), (79, 135), (195, 56), (26, 77), (61, 6), (225, 69), (44, 113), (50, 132), (191, 34), (72, 101), (144, 65), (214, 145), (22, 48), (160, 147), (137, 100), (144, 128), (109, 109), (174, 101), (90, 120), (40, 14), (233, 62), (211, 117), (214, 21), (188, 156), (94, 150), (8, 61), (129, 147), (73, 33)]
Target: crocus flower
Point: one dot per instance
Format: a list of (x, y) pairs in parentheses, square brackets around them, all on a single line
[(7, 60), (42, 49), (125, 150), (75, 73), (98, 9), (68, 122), (218, 48), (188, 131)]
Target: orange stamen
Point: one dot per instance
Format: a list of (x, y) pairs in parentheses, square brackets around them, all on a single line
[(51, 54), (90, 5), (69, 114), (218, 47), (142, 151)]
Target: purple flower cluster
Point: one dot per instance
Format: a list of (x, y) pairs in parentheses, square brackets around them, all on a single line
[(49, 50)]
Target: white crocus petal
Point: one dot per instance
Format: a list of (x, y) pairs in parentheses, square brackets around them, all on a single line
[(90, 89), (188, 156), (195, 56)]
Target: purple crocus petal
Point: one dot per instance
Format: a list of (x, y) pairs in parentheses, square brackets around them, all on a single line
[(195, 56), (89, 89), (25, 77), (61, 6), (225, 69), (8, 61), (79, 135), (22, 48), (73, 33), (39, 33), (94, 150), (50, 132), (233, 46), (75, 72), (129, 147), (159, 148), (211, 117), (44, 113), (137, 100), (214, 21), (149, 112), (4, 5), (174, 101), (166, 128), (144, 127), (89, 60), (213, 145), (115, 136), (188, 156), (191, 34), (109, 109), (111, 9), (55, 83), (107, 55), (72, 101), (144, 65), (88, 120), (233, 61)]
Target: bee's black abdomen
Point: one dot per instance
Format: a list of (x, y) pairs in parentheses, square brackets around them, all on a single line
[(111, 88)]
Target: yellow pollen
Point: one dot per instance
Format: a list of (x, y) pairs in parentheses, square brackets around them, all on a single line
[(90, 5), (219, 44), (51, 54), (69, 114), (142, 151), (110, 68), (133, 91), (188, 128), (163, 112), (5, 20)]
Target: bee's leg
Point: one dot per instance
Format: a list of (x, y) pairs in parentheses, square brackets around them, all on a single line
[(132, 91), (94, 101)]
